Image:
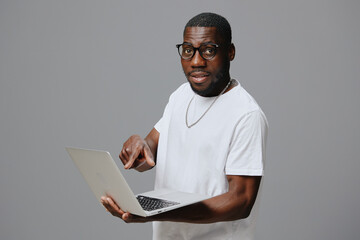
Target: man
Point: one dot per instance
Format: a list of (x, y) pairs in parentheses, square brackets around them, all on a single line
[(210, 140)]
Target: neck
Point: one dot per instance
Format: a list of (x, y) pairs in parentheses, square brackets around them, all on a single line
[(215, 88), (223, 87), (227, 85)]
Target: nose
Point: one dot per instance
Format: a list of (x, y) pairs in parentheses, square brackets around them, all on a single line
[(197, 60)]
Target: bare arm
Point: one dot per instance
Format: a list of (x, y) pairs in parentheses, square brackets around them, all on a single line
[(140, 153), (235, 204)]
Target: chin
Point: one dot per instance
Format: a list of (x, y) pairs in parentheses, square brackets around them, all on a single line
[(210, 88), (206, 92)]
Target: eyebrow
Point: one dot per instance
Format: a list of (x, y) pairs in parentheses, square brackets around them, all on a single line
[(187, 43)]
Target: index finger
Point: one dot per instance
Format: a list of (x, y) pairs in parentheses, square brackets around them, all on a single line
[(133, 156), (124, 155)]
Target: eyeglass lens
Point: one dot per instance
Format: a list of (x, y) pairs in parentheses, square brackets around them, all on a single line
[(188, 51)]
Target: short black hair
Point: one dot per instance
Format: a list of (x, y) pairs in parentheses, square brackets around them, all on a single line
[(208, 19)]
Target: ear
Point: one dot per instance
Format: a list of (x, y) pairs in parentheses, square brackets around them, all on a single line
[(231, 52)]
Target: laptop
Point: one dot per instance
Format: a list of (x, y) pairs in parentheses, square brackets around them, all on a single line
[(105, 179)]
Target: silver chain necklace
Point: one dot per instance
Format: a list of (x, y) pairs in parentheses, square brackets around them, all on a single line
[(187, 110)]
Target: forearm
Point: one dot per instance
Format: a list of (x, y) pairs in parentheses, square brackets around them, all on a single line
[(235, 204), (217, 209)]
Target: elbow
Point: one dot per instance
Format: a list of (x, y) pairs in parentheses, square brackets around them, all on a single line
[(246, 213), (243, 211), (248, 208), (240, 214)]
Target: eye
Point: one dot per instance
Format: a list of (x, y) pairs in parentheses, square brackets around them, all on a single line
[(187, 50), (208, 52)]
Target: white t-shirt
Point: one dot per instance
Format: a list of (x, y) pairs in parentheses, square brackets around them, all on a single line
[(229, 140)]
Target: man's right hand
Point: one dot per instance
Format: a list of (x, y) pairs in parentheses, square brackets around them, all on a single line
[(137, 154)]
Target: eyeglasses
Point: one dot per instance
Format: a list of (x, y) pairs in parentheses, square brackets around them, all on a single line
[(187, 51)]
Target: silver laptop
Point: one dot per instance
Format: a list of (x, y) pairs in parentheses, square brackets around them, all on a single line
[(105, 179)]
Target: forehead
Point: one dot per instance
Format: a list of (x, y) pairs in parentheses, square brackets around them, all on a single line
[(198, 35)]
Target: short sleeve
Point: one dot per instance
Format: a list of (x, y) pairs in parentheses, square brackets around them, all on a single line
[(159, 126), (248, 145)]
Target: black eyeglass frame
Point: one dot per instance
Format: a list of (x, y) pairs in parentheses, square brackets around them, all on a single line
[(197, 49)]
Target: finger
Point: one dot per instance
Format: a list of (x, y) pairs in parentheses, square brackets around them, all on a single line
[(141, 165), (105, 204), (127, 217), (124, 156), (126, 151), (133, 155), (149, 156), (114, 206)]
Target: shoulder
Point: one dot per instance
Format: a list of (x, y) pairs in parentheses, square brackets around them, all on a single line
[(185, 87), (243, 105), (240, 100), (182, 91)]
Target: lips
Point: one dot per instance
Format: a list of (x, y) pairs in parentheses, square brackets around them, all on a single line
[(198, 76)]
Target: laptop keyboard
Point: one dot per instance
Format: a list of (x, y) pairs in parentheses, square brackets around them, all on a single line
[(150, 204)]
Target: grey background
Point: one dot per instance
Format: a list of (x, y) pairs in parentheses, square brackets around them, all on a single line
[(91, 73)]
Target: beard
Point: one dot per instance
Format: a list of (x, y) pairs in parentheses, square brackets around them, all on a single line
[(215, 87)]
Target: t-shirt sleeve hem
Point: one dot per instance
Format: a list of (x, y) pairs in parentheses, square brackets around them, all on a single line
[(245, 172), (158, 126)]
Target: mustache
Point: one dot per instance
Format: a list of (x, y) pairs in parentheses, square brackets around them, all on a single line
[(197, 71)]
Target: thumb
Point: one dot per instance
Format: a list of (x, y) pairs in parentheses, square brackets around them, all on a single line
[(126, 217), (149, 156)]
